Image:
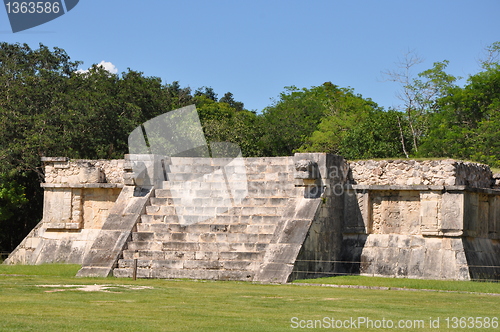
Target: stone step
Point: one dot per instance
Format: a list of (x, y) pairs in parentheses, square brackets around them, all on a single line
[(190, 264), (161, 201), (160, 210), (231, 184), (273, 192), (182, 219), (158, 254), (143, 236), (220, 192), (209, 246), (202, 274), (264, 201), (216, 175), (198, 255), (144, 245), (229, 166), (194, 185), (229, 238), (278, 191), (221, 201), (213, 211), (203, 169), (231, 217), (193, 201), (232, 181), (202, 228), (155, 219), (180, 246), (218, 224)]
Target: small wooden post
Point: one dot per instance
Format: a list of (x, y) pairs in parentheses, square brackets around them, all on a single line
[(134, 273)]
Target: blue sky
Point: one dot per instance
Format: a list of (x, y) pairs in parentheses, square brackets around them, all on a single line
[(256, 48)]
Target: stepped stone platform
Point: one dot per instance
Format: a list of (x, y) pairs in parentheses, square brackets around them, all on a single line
[(268, 219)]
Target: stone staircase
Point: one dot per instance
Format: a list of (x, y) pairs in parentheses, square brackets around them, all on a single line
[(212, 220)]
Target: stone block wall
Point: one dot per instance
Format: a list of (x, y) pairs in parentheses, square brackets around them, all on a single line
[(496, 179), (447, 172), (321, 246), (430, 232), (78, 195), (63, 170), (269, 219), (251, 219)]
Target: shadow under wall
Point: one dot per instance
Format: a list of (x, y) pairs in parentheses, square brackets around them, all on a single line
[(354, 236), (483, 258), (350, 256)]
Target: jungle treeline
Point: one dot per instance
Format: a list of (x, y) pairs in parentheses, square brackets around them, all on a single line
[(50, 108)]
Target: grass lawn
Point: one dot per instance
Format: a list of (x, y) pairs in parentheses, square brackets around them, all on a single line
[(63, 304), (397, 283)]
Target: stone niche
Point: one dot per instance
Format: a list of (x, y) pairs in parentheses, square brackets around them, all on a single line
[(77, 208)]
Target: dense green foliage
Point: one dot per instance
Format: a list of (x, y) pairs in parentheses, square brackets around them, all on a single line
[(328, 118), (48, 108), (467, 123)]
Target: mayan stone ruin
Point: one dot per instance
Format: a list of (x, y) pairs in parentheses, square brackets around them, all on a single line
[(268, 219)]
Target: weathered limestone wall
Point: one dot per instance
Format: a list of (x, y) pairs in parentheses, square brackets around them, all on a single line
[(77, 200), (256, 235), (432, 232), (321, 247), (269, 219), (496, 179), (63, 170), (426, 172)]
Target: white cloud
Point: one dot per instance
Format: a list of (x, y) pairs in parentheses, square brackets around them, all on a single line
[(108, 66)]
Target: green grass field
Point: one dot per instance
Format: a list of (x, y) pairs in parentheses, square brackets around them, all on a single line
[(50, 298)]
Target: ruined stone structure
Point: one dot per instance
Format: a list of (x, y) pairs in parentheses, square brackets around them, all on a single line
[(422, 219), (268, 219)]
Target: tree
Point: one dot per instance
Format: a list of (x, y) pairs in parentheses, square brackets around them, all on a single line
[(222, 122), (420, 95), (378, 135), (492, 57), (467, 124), (207, 92), (32, 92), (12, 198), (295, 116), (228, 99), (47, 108), (354, 127), (178, 96)]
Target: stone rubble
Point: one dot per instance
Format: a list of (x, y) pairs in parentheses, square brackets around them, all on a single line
[(63, 170), (447, 172)]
